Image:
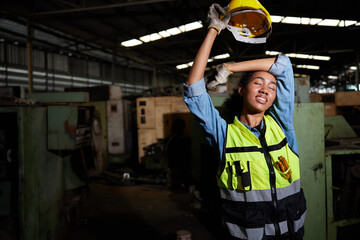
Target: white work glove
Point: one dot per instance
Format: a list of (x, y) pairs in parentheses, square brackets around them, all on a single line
[(222, 73), (214, 13)]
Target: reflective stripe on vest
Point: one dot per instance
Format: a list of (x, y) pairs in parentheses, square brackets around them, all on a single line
[(259, 195), (257, 233)]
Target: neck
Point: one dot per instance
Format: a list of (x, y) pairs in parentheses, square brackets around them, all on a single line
[(251, 120)]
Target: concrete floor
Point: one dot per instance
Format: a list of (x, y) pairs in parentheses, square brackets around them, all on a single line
[(141, 211)]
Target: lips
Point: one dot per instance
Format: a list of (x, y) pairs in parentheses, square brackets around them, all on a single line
[(261, 99)]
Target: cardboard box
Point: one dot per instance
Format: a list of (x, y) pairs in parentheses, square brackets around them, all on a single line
[(145, 137), (351, 98), (330, 109), (145, 112), (315, 97)]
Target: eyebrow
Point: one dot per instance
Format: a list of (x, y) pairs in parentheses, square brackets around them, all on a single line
[(275, 83)]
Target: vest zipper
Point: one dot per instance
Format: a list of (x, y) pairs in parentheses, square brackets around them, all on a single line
[(272, 184)]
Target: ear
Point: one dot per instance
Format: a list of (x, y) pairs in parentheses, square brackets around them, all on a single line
[(240, 90)]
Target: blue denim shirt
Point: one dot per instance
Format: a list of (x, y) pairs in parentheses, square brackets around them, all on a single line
[(200, 104)]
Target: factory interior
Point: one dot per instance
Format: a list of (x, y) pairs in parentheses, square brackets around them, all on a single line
[(96, 141)]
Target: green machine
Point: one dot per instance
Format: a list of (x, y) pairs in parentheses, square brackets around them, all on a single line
[(31, 177), (69, 133), (342, 155)]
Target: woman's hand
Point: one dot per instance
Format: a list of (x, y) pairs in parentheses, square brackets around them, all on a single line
[(214, 14)]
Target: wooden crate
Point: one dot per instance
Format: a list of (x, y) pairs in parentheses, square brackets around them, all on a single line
[(315, 97), (330, 109), (351, 98)]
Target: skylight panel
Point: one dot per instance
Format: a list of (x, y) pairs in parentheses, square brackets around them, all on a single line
[(308, 67), (272, 53), (174, 31), (131, 43), (222, 56), (151, 37), (350, 22), (276, 19), (164, 34), (193, 26), (182, 66), (305, 20), (329, 22), (323, 58), (314, 21), (291, 20)]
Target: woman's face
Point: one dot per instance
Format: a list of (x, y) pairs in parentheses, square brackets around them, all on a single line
[(259, 94)]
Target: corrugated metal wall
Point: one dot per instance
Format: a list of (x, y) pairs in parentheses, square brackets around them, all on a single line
[(55, 71)]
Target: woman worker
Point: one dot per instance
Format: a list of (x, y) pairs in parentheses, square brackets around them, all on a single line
[(259, 175)]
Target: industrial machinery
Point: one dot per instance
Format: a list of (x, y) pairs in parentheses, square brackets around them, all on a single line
[(31, 177), (342, 179), (113, 115)]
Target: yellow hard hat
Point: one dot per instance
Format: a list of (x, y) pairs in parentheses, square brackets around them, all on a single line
[(250, 22)]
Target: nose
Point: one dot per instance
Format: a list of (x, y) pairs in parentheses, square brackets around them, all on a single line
[(264, 90)]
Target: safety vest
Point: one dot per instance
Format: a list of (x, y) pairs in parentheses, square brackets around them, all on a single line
[(260, 184)]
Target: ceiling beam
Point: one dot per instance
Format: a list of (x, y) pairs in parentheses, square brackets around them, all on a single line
[(85, 9)]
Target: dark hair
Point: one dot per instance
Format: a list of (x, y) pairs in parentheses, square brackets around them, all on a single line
[(233, 105)]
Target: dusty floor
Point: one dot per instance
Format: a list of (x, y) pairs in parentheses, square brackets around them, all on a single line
[(141, 211)]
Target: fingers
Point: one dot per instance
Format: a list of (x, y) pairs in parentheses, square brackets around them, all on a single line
[(219, 9), (212, 84)]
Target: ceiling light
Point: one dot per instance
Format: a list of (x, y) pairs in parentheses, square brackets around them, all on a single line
[(353, 68), (151, 37), (305, 20), (291, 20), (182, 66), (314, 21), (350, 22), (164, 34), (174, 31), (131, 43), (323, 58), (332, 77), (308, 67), (192, 26), (222, 56), (300, 55), (272, 53), (276, 19), (329, 22)]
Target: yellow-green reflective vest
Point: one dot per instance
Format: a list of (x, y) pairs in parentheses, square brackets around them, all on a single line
[(246, 167), (258, 198)]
